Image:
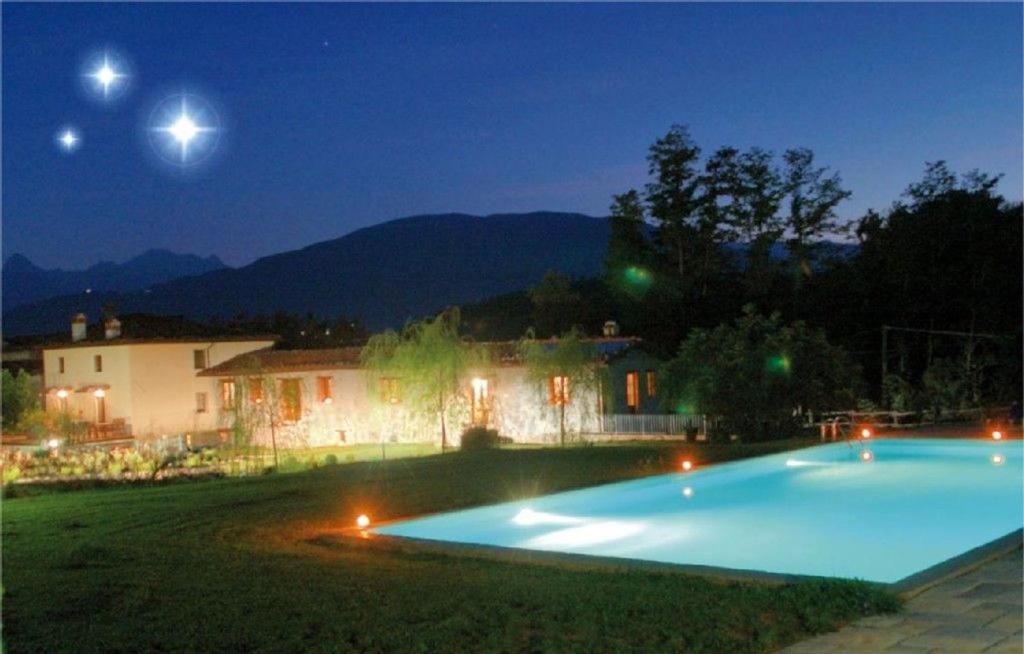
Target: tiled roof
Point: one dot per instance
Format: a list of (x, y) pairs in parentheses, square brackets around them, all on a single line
[(286, 361), (502, 353), (113, 342)]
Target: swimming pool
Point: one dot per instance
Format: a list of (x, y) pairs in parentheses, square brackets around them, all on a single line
[(878, 510)]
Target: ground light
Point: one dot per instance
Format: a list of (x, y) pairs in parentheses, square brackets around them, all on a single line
[(363, 521), (53, 443), (997, 435), (865, 433), (687, 465)]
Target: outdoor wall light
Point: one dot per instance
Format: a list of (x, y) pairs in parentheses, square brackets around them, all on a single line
[(865, 433), (997, 435), (99, 392), (363, 521), (687, 465)]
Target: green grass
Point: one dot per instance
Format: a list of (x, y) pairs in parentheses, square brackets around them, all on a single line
[(230, 565), (297, 460)]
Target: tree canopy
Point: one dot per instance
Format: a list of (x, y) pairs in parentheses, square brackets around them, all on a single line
[(757, 373), (565, 367), (428, 361)]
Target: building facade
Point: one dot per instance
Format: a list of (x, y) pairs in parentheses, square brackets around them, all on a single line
[(141, 388), (205, 389), (325, 397)]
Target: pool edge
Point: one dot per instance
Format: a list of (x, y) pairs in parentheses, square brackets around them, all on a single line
[(960, 564), (907, 587)]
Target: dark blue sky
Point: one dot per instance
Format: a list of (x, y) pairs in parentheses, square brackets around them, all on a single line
[(476, 108)]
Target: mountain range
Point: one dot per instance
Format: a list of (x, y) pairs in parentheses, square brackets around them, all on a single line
[(384, 274), (25, 283)]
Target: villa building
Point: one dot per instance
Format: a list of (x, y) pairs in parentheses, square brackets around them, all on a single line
[(325, 397), (121, 387)]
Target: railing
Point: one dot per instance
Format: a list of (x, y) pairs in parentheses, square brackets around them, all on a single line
[(892, 419), (653, 424), (100, 432)]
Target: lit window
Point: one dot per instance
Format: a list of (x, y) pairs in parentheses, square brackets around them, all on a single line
[(60, 364), (200, 402), (100, 402), (255, 391), (481, 401), (390, 393), (291, 400), (97, 363), (324, 392), (558, 390), (652, 388), (633, 390), (227, 394), (198, 359)]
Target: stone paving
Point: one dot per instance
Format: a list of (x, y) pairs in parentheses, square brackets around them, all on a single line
[(980, 611)]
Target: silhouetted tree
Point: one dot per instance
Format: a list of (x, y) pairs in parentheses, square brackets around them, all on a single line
[(555, 305), (673, 196)]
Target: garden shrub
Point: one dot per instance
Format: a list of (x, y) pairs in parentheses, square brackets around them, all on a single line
[(330, 460), (479, 438)]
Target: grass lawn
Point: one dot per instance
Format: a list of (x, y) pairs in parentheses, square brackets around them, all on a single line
[(229, 565)]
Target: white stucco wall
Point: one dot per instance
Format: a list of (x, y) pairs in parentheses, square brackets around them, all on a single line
[(519, 409), (79, 371), (152, 386), (165, 383)]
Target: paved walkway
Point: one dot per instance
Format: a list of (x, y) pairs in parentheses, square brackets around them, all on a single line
[(980, 611)]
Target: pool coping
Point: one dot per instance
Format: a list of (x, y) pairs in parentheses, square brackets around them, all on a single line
[(907, 587)]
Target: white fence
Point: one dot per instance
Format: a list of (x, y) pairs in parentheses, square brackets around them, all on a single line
[(653, 424)]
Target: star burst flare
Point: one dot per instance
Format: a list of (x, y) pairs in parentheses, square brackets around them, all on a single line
[(106, 76), (184, 129)]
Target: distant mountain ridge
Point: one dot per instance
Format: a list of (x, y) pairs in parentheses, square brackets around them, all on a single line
[(385, 274), (24, 282)]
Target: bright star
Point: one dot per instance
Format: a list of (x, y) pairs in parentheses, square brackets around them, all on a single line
[(68, 139), (106, 76), (185, 127)]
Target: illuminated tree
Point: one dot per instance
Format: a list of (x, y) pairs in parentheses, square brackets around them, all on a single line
[(567, 368), (20, 397), (261, 403), (425, 366)]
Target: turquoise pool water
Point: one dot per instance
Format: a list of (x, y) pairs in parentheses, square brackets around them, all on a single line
[(818, 511)]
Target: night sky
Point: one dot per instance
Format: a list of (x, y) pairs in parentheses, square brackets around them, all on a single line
[(340, 116)]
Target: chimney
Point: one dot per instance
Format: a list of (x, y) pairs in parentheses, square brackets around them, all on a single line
[(111, 328), (611, 328), (78, 325)]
